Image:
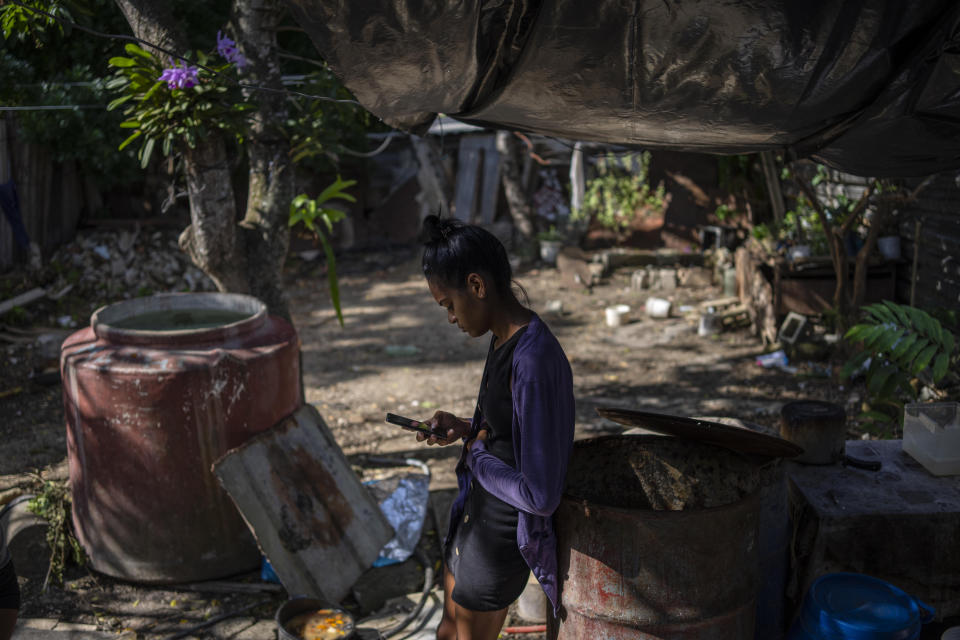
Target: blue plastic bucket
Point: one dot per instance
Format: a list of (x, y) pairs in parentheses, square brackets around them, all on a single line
[(852, 606)]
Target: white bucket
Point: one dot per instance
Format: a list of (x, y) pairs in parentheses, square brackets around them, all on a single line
[(658, 308), (617, 315)]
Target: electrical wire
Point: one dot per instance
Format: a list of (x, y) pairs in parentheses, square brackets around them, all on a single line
[(54, 107)]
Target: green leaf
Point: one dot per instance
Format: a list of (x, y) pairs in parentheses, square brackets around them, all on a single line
[(882, 313), (924, 359), (876, 382), (335, 190), (948, 342), (853, 364), (149, 94), (130, 124), (887, 339), (899, 311), (136, 134), (872, 335), (901, 347), (332, 276), (146, 151), (135, 50), (940, 367), (875, 416), (855, 333), (113, 104), (906, 360), (120, 61)]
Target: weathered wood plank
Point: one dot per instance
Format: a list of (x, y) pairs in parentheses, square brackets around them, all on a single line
[(467, 188), (316, 523)]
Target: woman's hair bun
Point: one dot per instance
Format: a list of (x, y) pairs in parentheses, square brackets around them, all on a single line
[(437, 229)]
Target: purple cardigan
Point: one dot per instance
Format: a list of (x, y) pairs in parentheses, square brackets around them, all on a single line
[(543, 422)]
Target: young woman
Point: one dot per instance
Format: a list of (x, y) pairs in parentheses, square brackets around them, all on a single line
[(513, 464), (9, 591)]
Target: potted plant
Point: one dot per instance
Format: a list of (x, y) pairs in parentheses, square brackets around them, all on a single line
[(550, 242)]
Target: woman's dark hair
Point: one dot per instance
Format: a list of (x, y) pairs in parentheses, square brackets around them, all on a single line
[(452, 250)]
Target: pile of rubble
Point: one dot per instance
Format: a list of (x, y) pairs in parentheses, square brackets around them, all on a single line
[(125, 263)]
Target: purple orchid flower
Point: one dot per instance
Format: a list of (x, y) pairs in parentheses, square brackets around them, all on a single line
[(227, 48), (178, 77)]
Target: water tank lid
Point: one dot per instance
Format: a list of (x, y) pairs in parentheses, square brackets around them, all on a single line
[(852, 606), (730, 437)]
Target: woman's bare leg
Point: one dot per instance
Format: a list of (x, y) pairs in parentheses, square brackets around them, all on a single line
[(479, 625), (447, 630), (465, 624)]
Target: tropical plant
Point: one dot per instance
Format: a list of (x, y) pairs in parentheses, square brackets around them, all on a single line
[(903, 348), (620, 191), (843, 216), (550, 234), (175, 101), (309, 212), (52, 503)]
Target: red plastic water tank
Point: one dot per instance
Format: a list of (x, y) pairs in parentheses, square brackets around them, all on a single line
[(155, 390)]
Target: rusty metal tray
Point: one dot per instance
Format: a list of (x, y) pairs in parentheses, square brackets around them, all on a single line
[(736, 438)]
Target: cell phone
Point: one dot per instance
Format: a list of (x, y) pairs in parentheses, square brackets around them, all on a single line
[(413, 425)]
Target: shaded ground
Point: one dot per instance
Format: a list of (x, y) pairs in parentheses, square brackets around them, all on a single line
[(397, 353)]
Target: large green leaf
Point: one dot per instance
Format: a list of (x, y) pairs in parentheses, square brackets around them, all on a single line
[(332, 276), (924, 359), (136, 134), (940, 367), (901, 347), (906, 361), (113, 104), (949, 342), (882, 313), (902, 316), (875, 416), (120, 61), (146, 151), (887, 339), (853, 364), (878, 379), (855, 333), (135, 50), (873, 335)]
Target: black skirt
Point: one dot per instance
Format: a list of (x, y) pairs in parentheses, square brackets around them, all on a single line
[(9, 588), (483, 555)]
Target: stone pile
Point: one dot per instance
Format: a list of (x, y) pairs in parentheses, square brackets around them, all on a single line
[(126, 263)]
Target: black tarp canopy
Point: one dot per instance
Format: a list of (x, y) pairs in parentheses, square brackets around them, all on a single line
[(871, 87)]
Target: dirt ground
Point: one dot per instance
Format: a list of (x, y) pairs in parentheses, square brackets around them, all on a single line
[(397, 353)]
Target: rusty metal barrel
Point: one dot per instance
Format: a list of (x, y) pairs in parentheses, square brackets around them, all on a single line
[(657, 538), (155, 390)]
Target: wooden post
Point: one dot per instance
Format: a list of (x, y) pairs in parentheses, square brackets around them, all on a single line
[(773, 185), (916, 259)]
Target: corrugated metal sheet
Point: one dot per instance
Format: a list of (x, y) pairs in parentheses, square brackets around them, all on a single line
[(317, 524)]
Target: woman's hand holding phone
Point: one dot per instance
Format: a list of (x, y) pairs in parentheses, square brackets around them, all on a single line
[(445, 423)]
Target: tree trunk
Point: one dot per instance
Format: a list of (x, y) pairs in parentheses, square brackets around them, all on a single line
[(211, 240), (511, 177), (246, 257), (265, 223), (153, 22)]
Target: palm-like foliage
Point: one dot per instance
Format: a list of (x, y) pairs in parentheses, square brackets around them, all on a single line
[(905, 347)]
